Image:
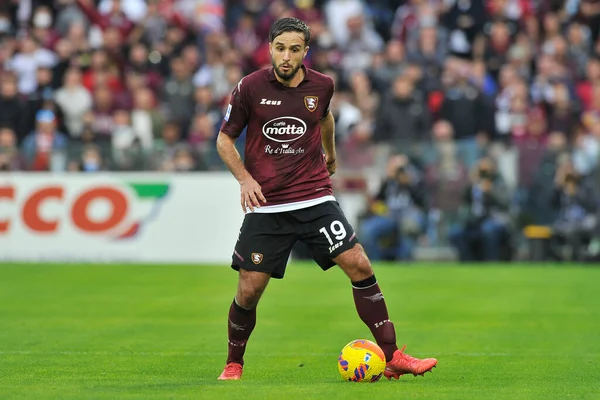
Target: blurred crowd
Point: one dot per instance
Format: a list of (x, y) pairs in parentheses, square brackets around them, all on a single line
[(482, 113)]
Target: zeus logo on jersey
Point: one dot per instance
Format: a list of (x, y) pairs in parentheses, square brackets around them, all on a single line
[(271, 102), (284, 129)]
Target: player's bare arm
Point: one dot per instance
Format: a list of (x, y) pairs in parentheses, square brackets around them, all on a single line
[(328, 142), (250, 191)]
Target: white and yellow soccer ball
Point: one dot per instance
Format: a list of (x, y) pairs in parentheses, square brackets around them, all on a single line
[(361, 361)]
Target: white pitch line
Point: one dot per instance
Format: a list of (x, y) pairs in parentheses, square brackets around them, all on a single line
[(219, 354)]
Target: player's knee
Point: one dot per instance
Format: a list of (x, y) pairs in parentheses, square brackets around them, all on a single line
[(248, 297), (363, 264), (251, 286), (246, 301), (356, 264)]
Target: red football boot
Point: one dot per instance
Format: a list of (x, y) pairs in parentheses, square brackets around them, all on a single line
[(404, 364), (232, 372)]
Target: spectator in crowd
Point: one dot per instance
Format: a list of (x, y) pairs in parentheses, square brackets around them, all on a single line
[(178, 92), (26, 62), (464, 107), (245, 38), (485, 223), (123, 139), (202, 133), (464, 21), (114, 18), (166, 146), (74, 101), (204, 103), (388, 65), (40, 145), (562, 110), (576, 203), (397, 213), (590, 11), (497, 46), (146, 118), (12, 113), (403, 116), (10, 158), (66, 56), (41, 97), (139, 65), (446, 175), (184, 160), (541, 183), (429, 54), (91, 160), (586, 148), (102, 71), (102, 113), (42, 29)]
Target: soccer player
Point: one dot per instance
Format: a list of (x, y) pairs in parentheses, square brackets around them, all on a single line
[(287, 195)]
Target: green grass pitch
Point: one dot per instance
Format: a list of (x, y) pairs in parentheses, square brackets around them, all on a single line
[(159, 332)]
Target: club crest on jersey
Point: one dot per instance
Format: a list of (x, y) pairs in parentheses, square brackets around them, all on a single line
[(257, 258), (311, 102)]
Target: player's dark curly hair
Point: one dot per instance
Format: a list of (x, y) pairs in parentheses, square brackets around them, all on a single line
[(289, 24)]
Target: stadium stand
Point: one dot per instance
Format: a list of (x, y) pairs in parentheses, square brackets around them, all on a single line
[(135, 85)]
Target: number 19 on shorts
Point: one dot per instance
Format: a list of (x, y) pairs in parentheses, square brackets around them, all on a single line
[(337, 231)]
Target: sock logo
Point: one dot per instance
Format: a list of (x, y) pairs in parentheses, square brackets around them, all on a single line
[(374, 298), (241, 344), (237, 327), (380, 324)]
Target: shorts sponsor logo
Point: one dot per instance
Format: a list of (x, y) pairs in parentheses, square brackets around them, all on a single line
[(335, 246), (257, 258), (311, 102), (284, 129)]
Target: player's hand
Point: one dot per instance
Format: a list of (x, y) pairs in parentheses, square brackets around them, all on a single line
[(251, 194), (331, 165)]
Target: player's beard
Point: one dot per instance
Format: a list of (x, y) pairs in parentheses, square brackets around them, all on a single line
[(286, 76)]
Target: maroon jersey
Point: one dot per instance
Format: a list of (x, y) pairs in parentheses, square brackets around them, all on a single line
[(283, 141)]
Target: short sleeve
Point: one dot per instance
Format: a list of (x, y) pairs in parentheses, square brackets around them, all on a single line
[(328, 97), (236, 116)]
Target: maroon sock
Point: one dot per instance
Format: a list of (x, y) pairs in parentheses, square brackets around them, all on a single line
[(239, 327), (373, 311)]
